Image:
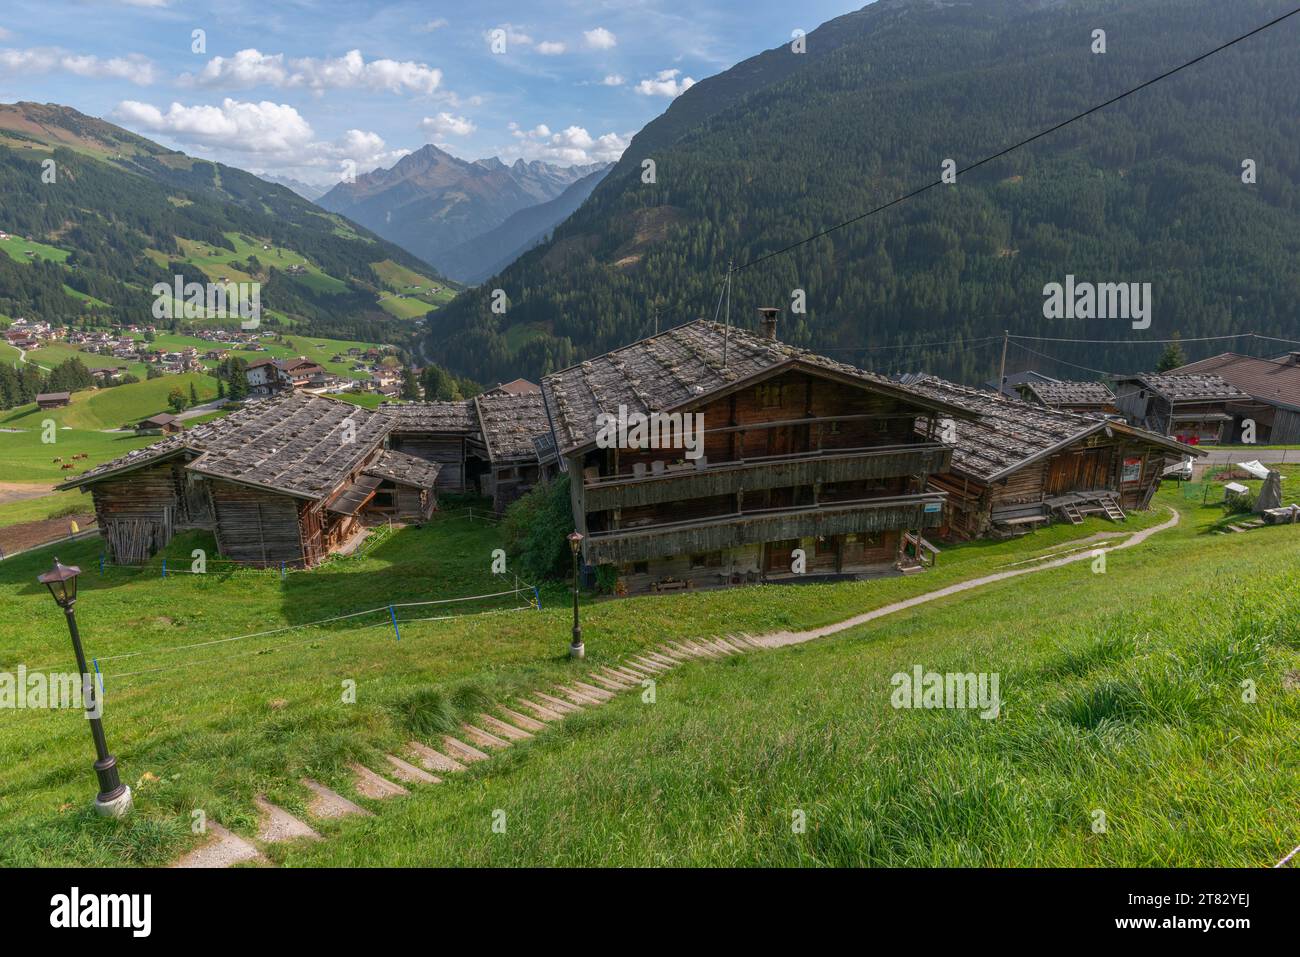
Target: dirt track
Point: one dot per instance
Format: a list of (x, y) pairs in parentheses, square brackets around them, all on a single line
[(15, 538)]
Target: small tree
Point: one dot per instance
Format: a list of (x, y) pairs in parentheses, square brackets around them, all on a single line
[(176, 400), (194, 396), (1173, 357)]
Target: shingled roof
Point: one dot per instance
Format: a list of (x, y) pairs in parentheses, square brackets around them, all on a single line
[(1009, 434), (1058, 393), (1188, 388), (297, 443), (681, 366), (431, 416), (509, 423), (1276, 381), (404, 469)]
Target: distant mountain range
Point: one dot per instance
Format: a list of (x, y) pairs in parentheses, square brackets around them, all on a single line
[(123, 213), (435, 205), (786, 145)]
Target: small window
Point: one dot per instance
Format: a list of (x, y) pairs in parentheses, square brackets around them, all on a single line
[(769, 396), (707, 560), (640, 568), (825, 545)]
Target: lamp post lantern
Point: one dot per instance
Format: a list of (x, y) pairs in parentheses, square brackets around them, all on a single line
[(114, 799), (576, 648)]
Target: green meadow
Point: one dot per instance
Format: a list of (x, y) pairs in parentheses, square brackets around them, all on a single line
[(1123, 693)]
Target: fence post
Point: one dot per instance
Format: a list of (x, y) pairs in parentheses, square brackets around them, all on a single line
[(538, 596), (393, 615), (101, 564), (282, 571), (164, 568)]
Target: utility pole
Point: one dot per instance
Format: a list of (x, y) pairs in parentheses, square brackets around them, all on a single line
[(1002, 371), (726, 336)]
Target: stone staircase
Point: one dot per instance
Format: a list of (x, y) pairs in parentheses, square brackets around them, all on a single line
[(524, 718)]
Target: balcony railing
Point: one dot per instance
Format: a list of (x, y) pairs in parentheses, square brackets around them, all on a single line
[(754, 474), (901, 512)]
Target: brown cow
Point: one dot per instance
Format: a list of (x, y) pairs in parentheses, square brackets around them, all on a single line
[(66, 465)]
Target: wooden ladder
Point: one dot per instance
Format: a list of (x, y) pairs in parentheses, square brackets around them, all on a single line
[(1071, 512), (1113, 510)]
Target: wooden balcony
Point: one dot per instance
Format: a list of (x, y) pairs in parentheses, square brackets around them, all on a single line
[(912, 512), (754, 474)]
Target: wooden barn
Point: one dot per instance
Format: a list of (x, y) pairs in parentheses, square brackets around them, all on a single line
[(1019, 465), (1195, 409), (282, 480), (442, 432), (1273, 390), (798, 451), (508, 424), (1092, 398)]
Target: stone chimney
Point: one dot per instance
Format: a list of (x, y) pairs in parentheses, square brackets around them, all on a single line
[(767, 325), (1293, 359)]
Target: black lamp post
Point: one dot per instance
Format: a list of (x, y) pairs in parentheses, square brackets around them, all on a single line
[(114, 799), (576, 648)]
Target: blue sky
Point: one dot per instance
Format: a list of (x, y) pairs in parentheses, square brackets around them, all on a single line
[(305, 88)]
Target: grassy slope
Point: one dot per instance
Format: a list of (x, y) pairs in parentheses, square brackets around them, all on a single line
[(275, 713), (1122, 693), (26, 458), (57, 505), (111, 408)]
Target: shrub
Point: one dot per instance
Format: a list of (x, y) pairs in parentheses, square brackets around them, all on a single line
[(535, 530)]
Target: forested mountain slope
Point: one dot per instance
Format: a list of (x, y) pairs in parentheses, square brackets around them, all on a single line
[(785, 144), (123, 213)]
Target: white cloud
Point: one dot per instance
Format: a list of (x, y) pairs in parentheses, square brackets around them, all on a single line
[(551, 48), (6, 34), (600, 39), (665, 83), (444, 124), (251, 67), (571, 145), (431, 25), (146, 3), (613, 79), (134, 67), (276, 133)]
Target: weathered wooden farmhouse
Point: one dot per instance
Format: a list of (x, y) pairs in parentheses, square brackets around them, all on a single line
[(1018, 465), (508, 424), (442, 432), (798, 452), (1192, 408), (1273, 390), (1090, 397), (286, 480), (53, 400)]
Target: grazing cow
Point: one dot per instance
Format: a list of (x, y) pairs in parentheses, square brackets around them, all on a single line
[(58, 460), (66, 465)]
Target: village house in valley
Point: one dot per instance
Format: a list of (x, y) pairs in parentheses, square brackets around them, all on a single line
[(799, 452), (1018, 465), (287, 479)]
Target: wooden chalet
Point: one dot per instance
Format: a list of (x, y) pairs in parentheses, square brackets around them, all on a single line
[(164, 423), (1273, 388), (1017, 465), (281, 480), (53, 400), (799, 451), (1093, 398), (1192, 408), (508, 424), (442, 432)]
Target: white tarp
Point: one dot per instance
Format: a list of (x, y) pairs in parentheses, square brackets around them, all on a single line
[(1255, 467), (1235, 488)]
